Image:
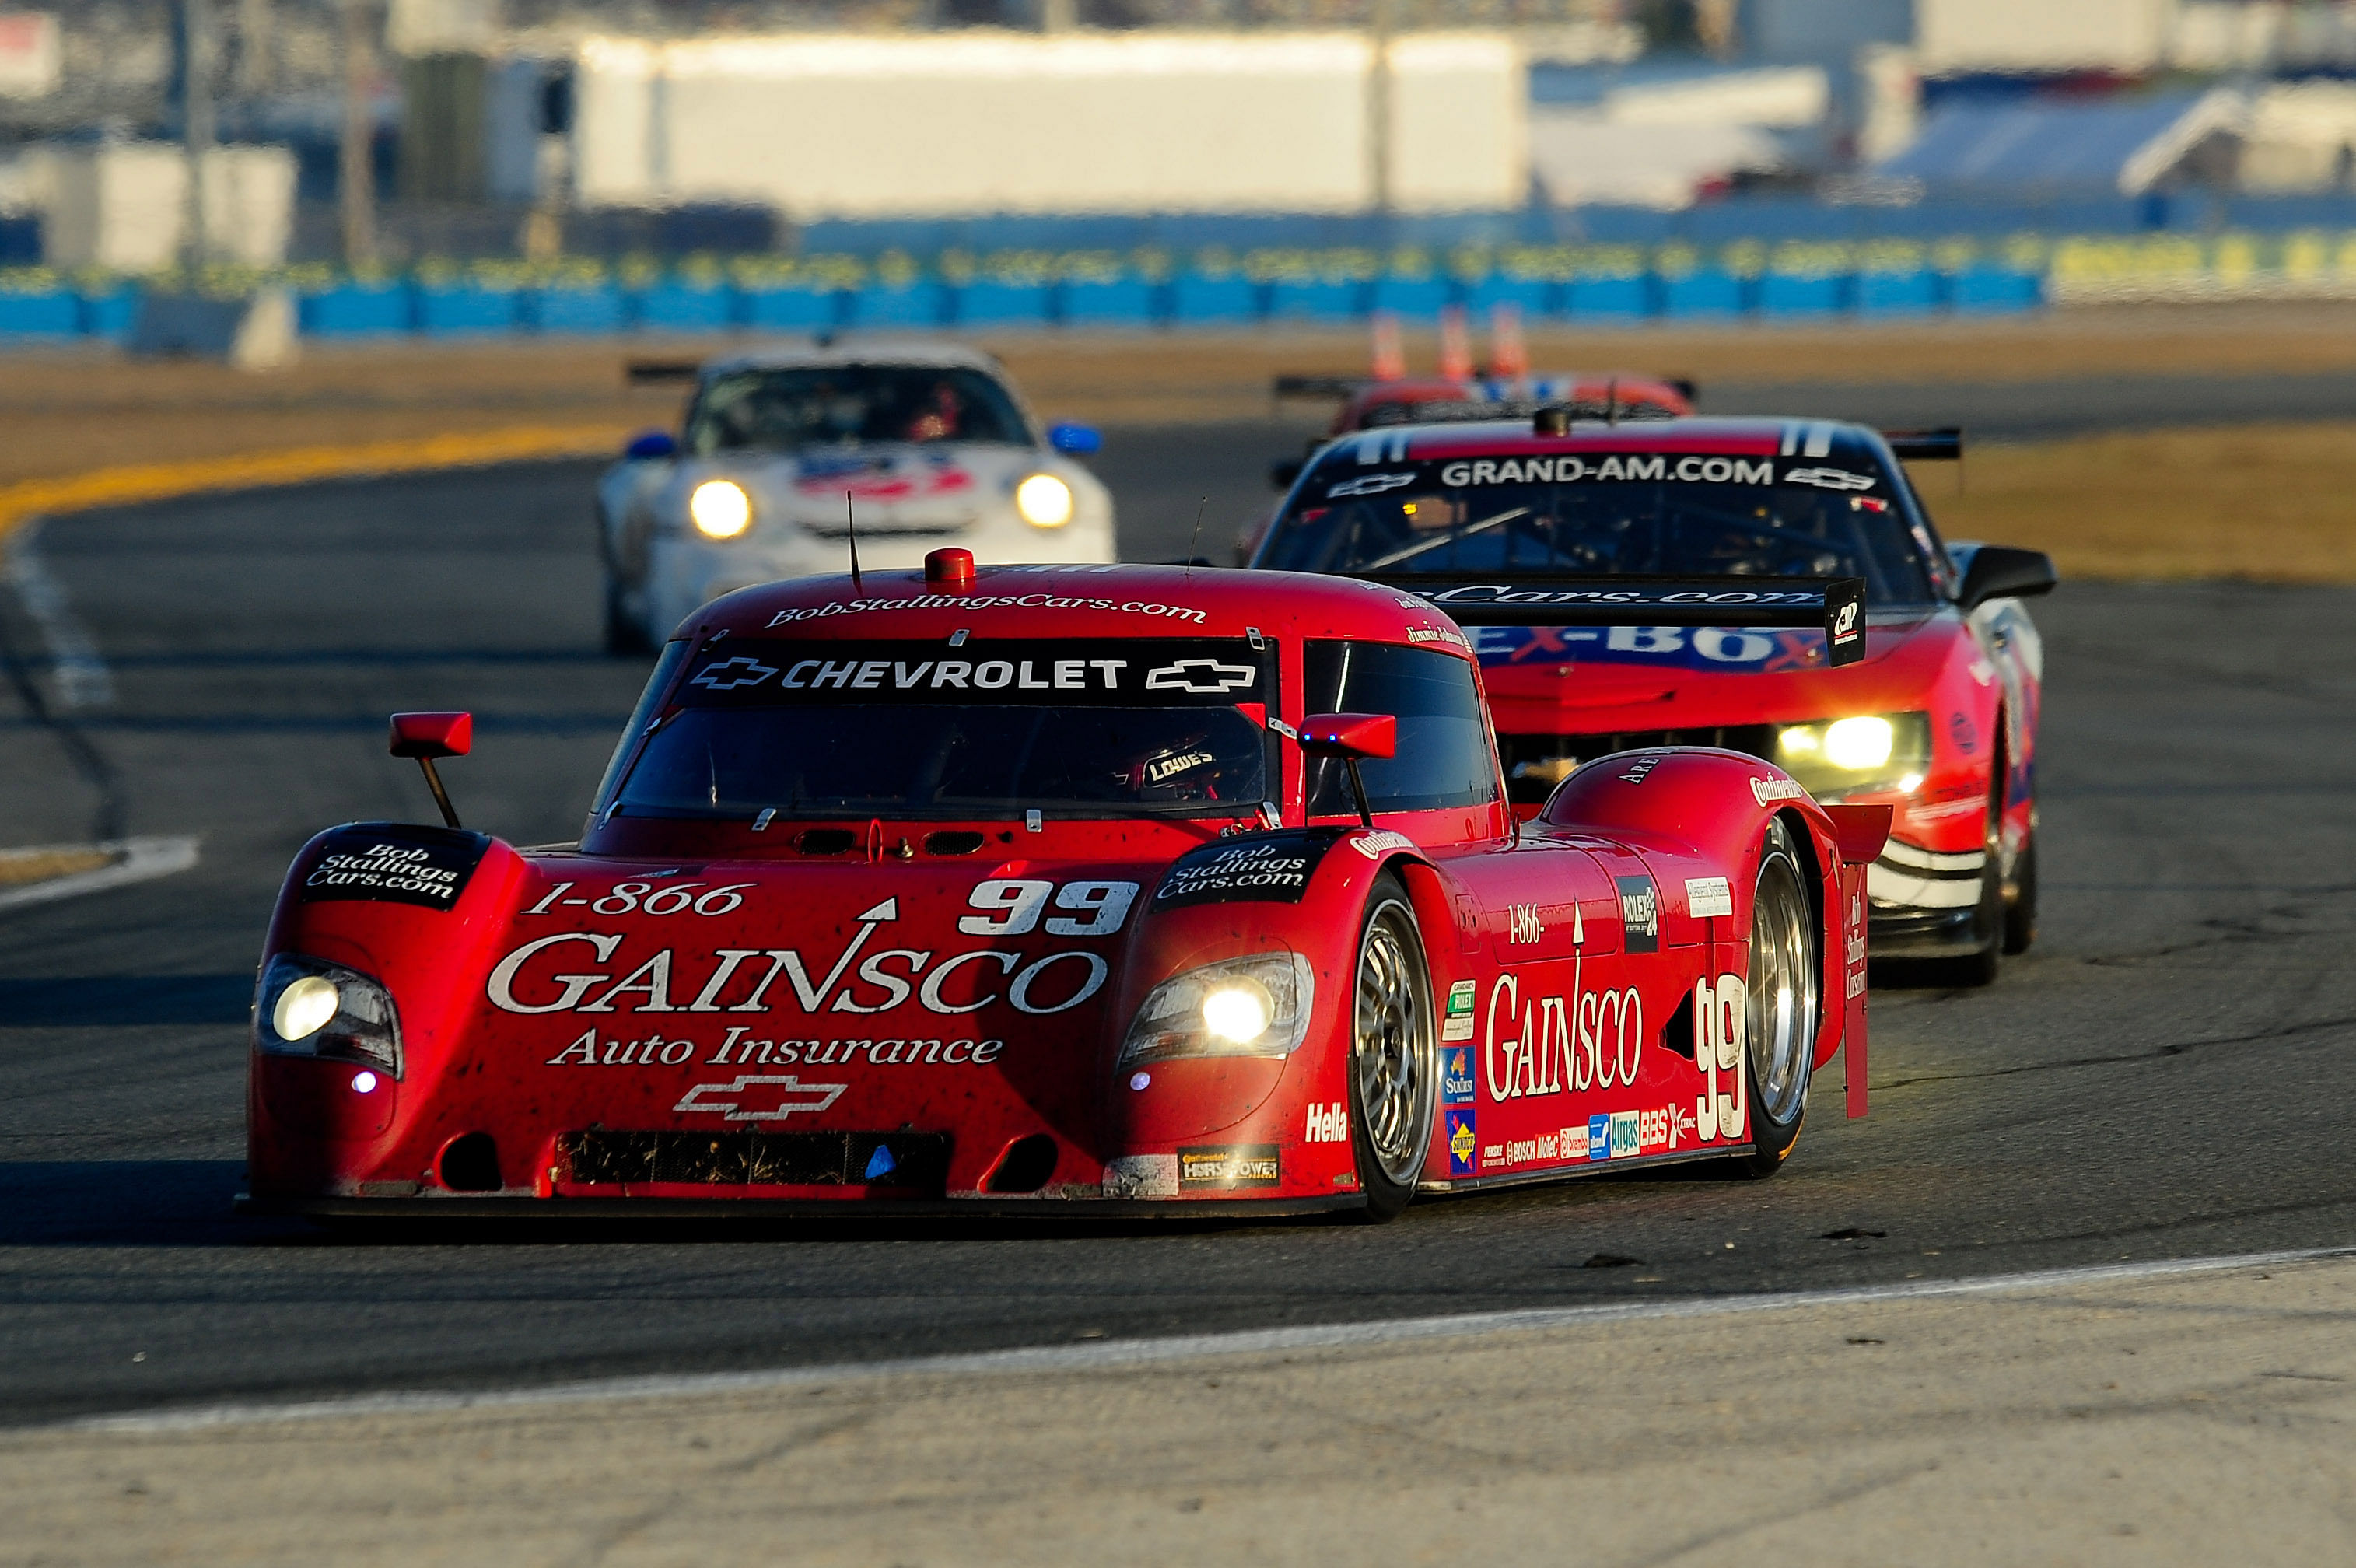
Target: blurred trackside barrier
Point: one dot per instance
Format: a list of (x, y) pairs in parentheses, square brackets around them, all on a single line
[(1594, 284)]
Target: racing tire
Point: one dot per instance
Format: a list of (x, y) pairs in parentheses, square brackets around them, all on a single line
[(1392, 1068), (625, 634), (1782, 998), (2020, 900)]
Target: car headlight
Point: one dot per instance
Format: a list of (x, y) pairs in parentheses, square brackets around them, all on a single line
[(1256, 1006), (1859, 755), (1045, 502), (720, 508), (309, 1008)]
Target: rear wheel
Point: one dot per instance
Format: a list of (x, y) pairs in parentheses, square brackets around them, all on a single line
[(1782, 1002), (1392, 1068)]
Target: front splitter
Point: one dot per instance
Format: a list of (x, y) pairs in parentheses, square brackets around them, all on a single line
[(520, 1208)]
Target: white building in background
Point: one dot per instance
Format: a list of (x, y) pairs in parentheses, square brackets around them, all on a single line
[(122, 206), (958, 124), (1954, 38), (30, 57), (1661, 140)]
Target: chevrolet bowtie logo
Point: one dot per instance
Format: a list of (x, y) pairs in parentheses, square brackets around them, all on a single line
[(761, 1097)]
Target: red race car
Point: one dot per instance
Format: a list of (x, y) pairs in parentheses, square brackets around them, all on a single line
[(1939, 721), (1064, 889)]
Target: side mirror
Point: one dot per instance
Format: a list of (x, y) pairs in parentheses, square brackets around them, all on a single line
[(1352, 736), (1282, 472), (651, 444), (1075, 440), (428, 735), (1998, 572)]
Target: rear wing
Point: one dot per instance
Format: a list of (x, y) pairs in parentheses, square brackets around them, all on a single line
[(1341, 388), (1835, 605), (656, 373), (1945, 444)]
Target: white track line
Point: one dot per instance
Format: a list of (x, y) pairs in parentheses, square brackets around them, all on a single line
[(83, 679), (143, 860), (1114, 1355)]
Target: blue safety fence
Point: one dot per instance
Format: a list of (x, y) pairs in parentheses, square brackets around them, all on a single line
[(1212, 289)]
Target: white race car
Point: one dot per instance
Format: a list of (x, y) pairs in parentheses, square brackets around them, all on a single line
[(784, 451)]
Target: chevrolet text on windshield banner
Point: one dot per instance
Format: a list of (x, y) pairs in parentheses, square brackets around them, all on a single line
[(1835, 604), (1053, 671)]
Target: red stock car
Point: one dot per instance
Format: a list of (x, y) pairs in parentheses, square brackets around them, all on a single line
[(1938, 722), (1060, 889)]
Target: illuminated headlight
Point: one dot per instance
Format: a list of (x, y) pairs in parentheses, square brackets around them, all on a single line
[(309, 1008), (1256, 1006), (720, 508), (1858, 743), (1860, 755), (306, 1006), (1045, 502)]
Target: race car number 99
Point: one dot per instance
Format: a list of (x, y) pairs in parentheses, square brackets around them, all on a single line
[(1019, 903)]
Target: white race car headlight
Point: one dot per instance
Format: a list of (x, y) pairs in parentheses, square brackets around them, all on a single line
[(309, 1008), (1256, 1006), (720, 508), (1045, 502)]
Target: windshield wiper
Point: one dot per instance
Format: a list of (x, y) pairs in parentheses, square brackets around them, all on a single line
[(1450, 537)]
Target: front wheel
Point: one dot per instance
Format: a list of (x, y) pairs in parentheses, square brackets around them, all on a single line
[(1392, 1067), (1782, 1000), (2020, 900)]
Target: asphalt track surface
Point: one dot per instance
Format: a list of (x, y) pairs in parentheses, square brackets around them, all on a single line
[(2168, 1074)]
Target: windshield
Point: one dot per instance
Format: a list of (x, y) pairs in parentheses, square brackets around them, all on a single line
[(1607, 514), (986, 729), (833, 405)]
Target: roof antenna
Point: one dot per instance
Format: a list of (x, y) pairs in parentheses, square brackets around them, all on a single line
[(1611, 400), (852, 519), (1195, 545)]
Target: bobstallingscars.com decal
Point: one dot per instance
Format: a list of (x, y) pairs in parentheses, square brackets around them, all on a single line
[(1265, 868), (1054, 671), (393, 863)]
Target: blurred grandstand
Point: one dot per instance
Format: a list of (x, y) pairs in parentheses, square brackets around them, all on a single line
[(1394, 153)]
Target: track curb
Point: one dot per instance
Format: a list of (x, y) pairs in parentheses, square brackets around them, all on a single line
[(133, 484)]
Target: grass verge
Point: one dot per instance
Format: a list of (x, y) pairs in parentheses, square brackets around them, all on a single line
[(2264, 503)]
